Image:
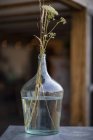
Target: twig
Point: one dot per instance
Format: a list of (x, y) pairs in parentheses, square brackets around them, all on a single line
[(53, 27)]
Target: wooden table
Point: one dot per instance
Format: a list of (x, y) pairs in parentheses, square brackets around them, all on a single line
[(66, 133)]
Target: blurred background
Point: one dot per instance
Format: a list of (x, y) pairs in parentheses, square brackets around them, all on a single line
[(69, 58)]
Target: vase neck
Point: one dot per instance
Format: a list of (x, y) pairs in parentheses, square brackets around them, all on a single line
[(42, 61)]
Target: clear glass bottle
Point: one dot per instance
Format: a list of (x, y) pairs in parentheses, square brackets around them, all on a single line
[(42, 114)]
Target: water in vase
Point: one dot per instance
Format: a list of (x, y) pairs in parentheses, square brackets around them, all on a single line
[(42, 116)]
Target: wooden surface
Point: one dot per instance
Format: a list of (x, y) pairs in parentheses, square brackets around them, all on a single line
[(87, 3), (78, 68), (72, 4), (66, 133)]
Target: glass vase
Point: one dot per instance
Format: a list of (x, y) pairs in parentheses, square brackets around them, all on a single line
[(42, 102)]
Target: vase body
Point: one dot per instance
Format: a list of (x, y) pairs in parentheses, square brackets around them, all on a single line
[(42, 112)]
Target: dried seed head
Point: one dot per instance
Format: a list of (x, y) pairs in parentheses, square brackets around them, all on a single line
[(51, 11), (63, 20)]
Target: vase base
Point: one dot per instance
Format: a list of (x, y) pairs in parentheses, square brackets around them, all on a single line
[(42, 132)]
